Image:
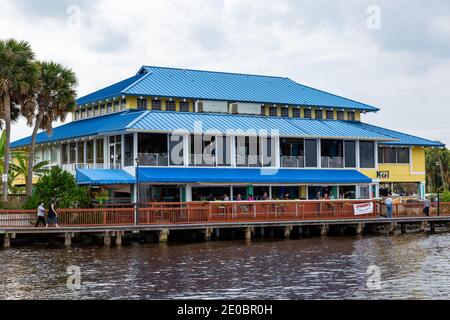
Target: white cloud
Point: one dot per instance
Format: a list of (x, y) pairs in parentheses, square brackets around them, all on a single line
[(403, 68)]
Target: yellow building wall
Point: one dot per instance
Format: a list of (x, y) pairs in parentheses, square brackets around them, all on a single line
[(131, 102)]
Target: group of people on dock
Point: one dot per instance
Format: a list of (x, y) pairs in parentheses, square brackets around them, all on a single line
[(52, 217), (389, 202)]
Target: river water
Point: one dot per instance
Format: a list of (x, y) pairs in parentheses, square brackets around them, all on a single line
[(414, 266)]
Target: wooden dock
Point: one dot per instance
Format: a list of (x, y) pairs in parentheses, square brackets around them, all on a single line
[(211, 220)]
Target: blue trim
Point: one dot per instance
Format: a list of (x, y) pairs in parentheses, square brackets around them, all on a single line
[(231, 175)]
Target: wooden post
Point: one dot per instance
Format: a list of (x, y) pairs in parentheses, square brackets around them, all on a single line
[(359, 228), (7, 241), (107, 239), (163, 235), (208, 233), (119, 235), (67, 240), (248, 233), (323, 230), (287, 232)]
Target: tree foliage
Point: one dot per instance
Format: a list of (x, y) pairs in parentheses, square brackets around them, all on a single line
[(60, 185), (438, 169)]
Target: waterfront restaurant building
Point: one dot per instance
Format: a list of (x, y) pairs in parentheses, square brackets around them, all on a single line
[(187, 135)]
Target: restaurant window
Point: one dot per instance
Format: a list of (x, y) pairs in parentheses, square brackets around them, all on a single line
[(296, 112), (102, 109), (273, 111), (73, 152), (65, 153), (90, 151), (310, 153), (129, 150), (80, 152), (307, 114), (319, 114), (142, 104), (156, 105), (109, 108), (367, 154), (341, 115), (116, 106), (351, 116), (330, 114), (170, 106), (350, 154), (285, 112), (184, 106), (99, 152)]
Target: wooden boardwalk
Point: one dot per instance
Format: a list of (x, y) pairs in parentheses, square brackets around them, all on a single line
[(210, 217)]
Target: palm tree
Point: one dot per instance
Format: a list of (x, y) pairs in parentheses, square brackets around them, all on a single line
[(53, 98), (17, 77)]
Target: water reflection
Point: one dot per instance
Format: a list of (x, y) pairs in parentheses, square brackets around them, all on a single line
[(412, 267)]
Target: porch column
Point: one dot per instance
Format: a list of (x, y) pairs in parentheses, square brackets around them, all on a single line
[(188, 192), (231, 193), (233, 150), (277, 152), (319, 154), (135, 147), (376, 155), (357, 154), (186, 151)]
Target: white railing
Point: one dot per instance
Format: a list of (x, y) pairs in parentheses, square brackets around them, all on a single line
[(201, 160), (335, 162), (292, 161), (72, 167), (153, 159), (248, 161)]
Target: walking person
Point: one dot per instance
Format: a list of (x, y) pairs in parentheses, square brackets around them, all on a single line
[(40, 215), (426, 207), (389, 204), (52, 215)]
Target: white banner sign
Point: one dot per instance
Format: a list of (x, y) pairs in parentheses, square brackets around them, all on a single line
[(363, 208)]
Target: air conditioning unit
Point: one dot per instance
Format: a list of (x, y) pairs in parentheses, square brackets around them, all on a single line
[(244, 108), (211, 106)]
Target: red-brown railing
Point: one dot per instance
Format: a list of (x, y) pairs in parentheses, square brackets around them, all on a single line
[(213, 212)]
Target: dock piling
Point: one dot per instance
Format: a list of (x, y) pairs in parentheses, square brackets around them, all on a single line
[(119, 235), (67, 240), (107, 239), (163, 235)]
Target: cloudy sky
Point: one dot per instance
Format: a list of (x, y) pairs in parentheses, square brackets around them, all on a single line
[(394, 55)]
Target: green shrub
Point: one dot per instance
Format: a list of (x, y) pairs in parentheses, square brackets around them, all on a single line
[(445, 196), (60, 185)]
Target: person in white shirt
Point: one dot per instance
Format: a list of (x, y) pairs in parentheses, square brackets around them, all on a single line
[(389, 204), (40, 215)]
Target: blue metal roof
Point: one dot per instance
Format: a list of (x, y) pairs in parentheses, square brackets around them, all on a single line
[(231, 175), (83, 128), (171, 121), (403, 138), (210, 85), (102, 177), (164, 121)]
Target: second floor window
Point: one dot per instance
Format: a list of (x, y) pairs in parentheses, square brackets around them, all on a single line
[(116, 106), (330, 114), (296, 112), (319, 114), (96, 111), (285, 112), (273, 111), (307, 114), (102, 109), (184, 106), (351, 116), (156, 105), (263, 110), (109, 107), (123, 104), (170, 106), (341, 115), (142, 104)]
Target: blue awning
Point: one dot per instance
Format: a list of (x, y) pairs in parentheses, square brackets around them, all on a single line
[(231, 175), (103, 177)]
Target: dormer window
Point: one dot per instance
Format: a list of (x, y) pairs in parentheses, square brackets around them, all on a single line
[(273, 111), (102, 109), (319, 114), (341, 115), (308, 114), (184, 106), (263, 110), (285, 112), (142, 104), (156, 105), (296, 112), (116, 106), (83, 114), (123, 104), (170, 106), (77, 114), (109, 107), (89, 112), (351, 115), (330, 114), (96, 111)]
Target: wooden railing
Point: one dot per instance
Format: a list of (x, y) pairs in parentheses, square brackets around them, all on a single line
[(214, 212)]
